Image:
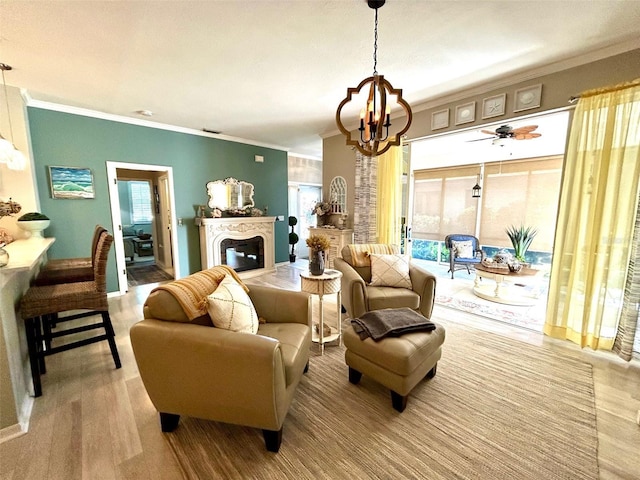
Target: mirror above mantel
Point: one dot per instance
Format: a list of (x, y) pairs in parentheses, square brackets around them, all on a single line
[(230, 194)]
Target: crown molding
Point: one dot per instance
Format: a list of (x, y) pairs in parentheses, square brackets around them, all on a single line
[(58, 107)]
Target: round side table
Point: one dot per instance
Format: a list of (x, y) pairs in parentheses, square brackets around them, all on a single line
[(327, 283)]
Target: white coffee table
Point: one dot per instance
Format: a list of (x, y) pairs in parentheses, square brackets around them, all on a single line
[(509, 287)]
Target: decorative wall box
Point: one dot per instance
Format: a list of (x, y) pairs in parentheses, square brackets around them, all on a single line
[(528, 97), (494, 106), (465, 113), (440, 119)]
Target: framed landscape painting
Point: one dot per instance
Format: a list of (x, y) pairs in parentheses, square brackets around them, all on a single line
[(71, 182)]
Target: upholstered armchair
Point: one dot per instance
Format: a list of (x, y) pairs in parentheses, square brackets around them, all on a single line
[(191, 367), (464, 251), (359, 295)]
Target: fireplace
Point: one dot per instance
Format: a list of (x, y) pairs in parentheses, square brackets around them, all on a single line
[(242, 255), (245, 244)]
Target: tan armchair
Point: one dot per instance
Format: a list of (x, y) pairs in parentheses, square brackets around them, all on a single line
[(193, 368), (359, 297)]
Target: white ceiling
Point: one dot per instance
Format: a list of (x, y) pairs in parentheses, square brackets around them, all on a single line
[(275, 71)]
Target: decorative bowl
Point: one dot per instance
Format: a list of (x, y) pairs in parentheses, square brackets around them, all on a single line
[(35, 227), (144, 236)]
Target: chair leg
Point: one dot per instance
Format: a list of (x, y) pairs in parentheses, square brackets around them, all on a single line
[(169, 421), (354, 376), (30, 327), (110, 338), (40, 336), (272, 439)]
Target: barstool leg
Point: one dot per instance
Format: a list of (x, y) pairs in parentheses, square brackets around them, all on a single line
[(40, 323), (30, 327), (110, 338)]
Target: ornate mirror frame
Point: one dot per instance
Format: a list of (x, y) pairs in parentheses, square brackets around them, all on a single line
[(230, 194)]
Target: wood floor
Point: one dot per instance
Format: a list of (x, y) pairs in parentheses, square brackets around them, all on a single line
[(95, 422)]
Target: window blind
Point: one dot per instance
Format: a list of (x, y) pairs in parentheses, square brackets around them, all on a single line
[(140, 202)]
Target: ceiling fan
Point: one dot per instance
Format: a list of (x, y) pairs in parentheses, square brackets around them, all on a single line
[(507, 131)]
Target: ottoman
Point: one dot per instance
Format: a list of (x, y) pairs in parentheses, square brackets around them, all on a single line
[(398, 363)]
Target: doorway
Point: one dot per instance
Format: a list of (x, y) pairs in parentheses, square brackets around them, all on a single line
[(143, 215), (302, 198)]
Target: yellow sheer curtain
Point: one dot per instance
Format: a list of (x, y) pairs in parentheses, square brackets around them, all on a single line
[(389, 210), (598, 204)]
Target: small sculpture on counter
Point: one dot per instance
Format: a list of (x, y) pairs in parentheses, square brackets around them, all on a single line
[(5, 238), (9, 208)]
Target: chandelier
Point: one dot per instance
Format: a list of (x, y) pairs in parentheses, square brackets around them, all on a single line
[(373, 136), (9, 154)]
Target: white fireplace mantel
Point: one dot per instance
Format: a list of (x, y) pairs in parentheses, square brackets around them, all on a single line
[(214, 230)]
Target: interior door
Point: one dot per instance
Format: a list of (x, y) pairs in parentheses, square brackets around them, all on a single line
[(165, 249)]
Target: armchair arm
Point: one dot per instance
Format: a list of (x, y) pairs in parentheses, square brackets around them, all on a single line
[(211, 373), (354, 289), (277, 305), (424, 284)]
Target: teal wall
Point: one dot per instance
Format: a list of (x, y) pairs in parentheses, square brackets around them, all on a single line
[(63, 139)]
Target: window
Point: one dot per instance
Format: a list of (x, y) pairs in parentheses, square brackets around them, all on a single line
[(521, 192), (513, 192), (442, 202), (140, 202)]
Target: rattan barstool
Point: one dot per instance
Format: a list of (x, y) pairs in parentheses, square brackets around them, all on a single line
[(41, 305), (69, 270)]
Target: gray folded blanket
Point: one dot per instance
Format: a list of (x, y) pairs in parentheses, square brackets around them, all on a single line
[(394, 322)]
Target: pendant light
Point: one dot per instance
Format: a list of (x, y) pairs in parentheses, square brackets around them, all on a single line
[(9, 154), (375, 116)]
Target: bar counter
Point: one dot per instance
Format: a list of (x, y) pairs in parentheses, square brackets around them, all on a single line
[(25, 258)]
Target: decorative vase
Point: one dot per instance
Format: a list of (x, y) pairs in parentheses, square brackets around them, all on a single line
[(514, 266), (35, 227), (316, 262), (4, 256)]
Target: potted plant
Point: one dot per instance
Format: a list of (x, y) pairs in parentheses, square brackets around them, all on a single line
[(293, 238), (34, 222), (521, 238)]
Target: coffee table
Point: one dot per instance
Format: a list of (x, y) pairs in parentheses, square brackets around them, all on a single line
[(143, 247), (510, 288)]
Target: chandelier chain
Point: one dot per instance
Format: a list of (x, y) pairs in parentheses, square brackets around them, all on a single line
[(375, 45)]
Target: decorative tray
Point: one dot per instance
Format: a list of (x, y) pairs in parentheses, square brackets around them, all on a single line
[(495, 265)]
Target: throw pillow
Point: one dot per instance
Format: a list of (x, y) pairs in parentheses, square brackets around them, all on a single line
[(462, 249), (230, 307), (390, 271)]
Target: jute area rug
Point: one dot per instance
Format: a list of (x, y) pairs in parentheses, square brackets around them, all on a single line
[(497, 409)]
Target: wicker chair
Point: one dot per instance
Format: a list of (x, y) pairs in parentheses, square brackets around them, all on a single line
[(41, 305), (459, 262), (69, 270)]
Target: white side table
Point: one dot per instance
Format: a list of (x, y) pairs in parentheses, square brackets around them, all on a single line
[(328, 282)]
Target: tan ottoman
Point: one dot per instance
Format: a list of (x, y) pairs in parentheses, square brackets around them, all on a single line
[(398, 363)]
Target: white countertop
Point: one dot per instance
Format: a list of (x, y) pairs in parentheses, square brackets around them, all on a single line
[(24, 254)]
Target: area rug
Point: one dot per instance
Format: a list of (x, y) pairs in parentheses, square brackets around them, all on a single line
[(522, 316), (142, 274), (498, 408)]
